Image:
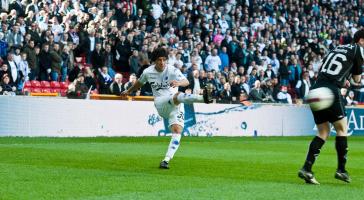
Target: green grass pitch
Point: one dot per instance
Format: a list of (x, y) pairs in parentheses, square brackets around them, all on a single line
[(203, 168)]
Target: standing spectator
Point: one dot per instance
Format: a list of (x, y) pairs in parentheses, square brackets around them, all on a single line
[(32, 60), (65, 63), (89, 78), (14, 73), (294, 71), (15, 38), (97, 57), (224, 58), (45, 61), (213, 61), (303, 86), (3, 46), (56, 63), (104, 80), (134, 62), (109, 60), (23, 70), (284, 72)]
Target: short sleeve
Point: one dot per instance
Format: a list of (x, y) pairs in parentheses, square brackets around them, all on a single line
[(178, 74), (143, 78)]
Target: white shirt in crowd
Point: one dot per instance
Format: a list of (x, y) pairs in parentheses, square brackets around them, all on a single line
[(24, 68), (160, 81), (92, 43), (196, 86), (156, 11), (14, 70), (212, 63)]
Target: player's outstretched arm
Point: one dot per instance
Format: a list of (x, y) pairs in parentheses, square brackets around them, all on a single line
[(134, 87)]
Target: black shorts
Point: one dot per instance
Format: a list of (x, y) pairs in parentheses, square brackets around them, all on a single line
[(336, 111)]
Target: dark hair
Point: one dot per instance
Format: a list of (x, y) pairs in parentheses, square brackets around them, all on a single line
[(159, 52), (358, 35)]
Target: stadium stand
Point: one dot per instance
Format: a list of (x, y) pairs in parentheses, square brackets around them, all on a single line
[(228, 43)]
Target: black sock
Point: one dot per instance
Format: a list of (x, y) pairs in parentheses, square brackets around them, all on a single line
[(313, 152), (342, 151)]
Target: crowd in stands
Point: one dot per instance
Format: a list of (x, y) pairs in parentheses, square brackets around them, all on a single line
[(258, 50)]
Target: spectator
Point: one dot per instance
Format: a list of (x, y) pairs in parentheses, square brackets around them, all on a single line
[(32, 60), (132, 80), (56, 62), (224, 58), (350, 99), (23, 70), (104, 80), (194, 80), (45, 61), (13, 68), (7, 88), (89, 78), (117, 86), (283, 96), (213, 62), (134, 62), (303, 86), (226, 94), (97, 57), (257, 94), (77, 89), (3, 46)]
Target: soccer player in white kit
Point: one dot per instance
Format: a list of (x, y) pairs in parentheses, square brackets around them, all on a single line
[(165, 80)]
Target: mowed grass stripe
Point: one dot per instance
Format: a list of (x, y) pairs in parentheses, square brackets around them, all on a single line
[(204, 168)]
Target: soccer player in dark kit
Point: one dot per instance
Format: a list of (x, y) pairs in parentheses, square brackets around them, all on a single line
[(341, 64)]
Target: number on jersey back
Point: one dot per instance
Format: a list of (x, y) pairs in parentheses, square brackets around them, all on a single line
[(341, 62)]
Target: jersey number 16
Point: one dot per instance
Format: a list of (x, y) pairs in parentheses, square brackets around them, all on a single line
[(332, 65)]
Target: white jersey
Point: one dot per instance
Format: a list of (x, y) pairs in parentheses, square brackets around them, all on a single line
[(160, 81)]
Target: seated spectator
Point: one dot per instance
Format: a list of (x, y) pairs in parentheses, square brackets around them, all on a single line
[(78, 89), (267, 88), (90, 80), (4, 70), (104, 81), (283, 96), (132, 80), (7, 88), (350, 99), (226, 94), (257, 94), (117, 86)]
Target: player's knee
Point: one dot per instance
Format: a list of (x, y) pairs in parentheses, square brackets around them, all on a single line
[(175, 99), (341, 127), (175, 128)]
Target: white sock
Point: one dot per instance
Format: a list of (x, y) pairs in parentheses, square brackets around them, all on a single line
[(173, 146), (189, 98)]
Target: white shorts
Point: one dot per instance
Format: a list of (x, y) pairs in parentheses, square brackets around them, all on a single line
[(175, 114)]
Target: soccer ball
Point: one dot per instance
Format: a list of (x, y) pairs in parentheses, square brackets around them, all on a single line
[(320, 98)]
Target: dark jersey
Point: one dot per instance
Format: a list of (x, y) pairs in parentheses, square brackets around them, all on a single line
[(341, 62)]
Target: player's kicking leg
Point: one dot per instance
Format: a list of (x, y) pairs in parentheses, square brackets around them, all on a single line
[(173, 145), (181, 97), (314, 150), (341, 145)]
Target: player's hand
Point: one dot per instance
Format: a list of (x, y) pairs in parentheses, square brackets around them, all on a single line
[(174, 83)]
